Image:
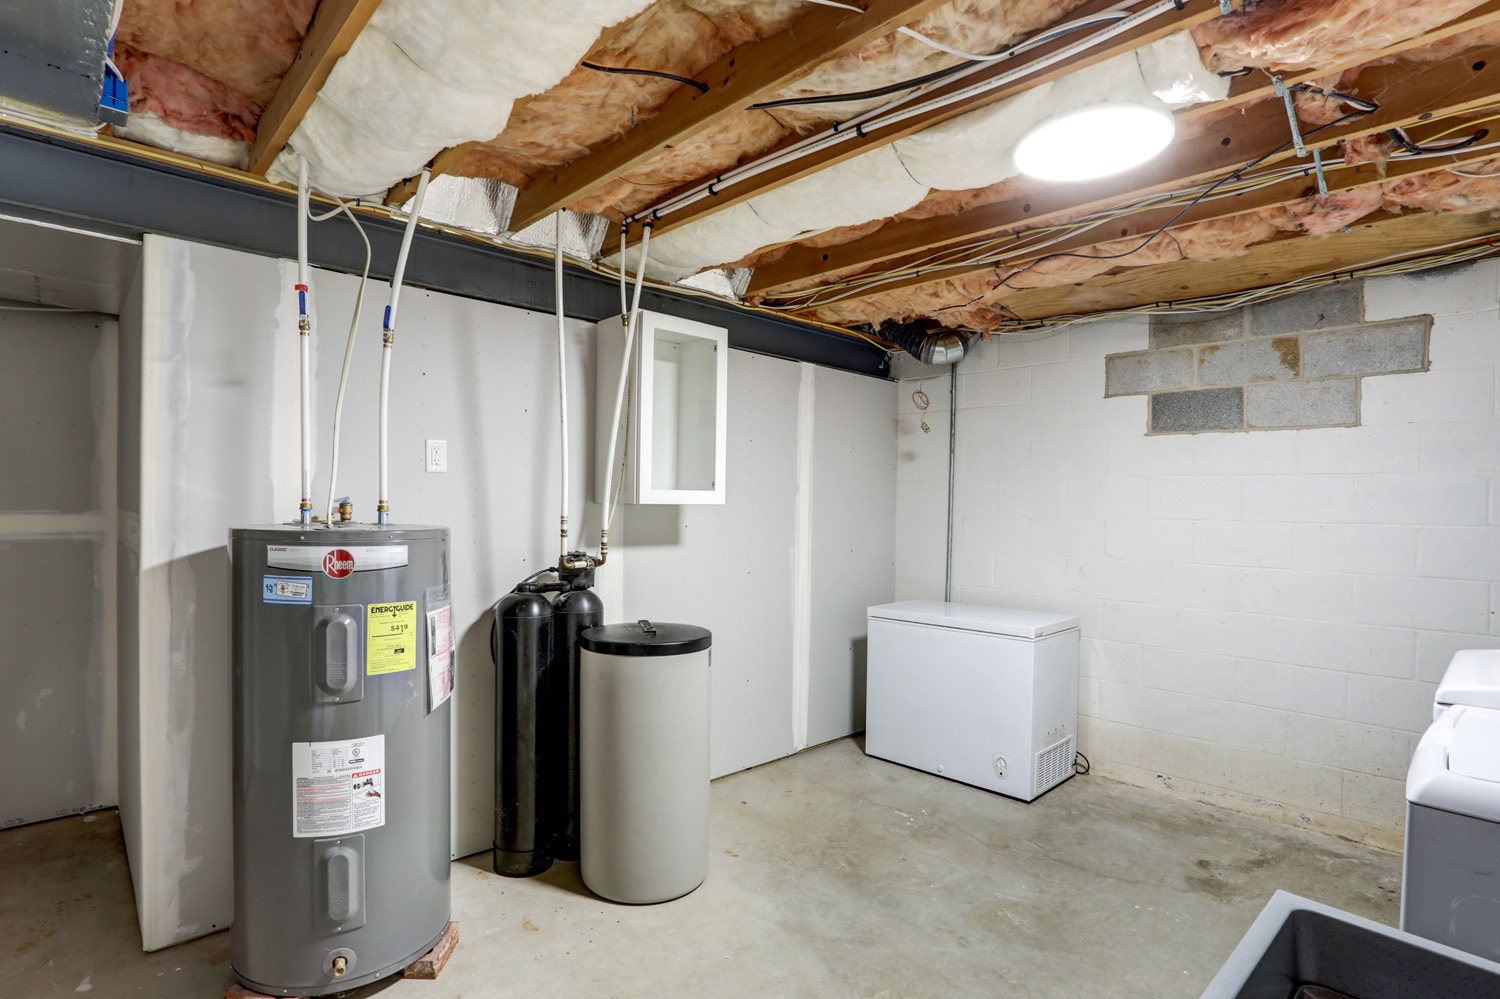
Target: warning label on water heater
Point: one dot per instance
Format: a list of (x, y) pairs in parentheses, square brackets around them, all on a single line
[(338, 787)]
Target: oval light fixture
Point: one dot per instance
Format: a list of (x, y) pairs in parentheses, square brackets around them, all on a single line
[(1095, 141)]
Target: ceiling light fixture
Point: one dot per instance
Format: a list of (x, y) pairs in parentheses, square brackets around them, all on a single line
[(1095, 141)]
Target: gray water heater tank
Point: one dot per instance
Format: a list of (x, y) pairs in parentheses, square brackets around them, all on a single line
[(341, 768)]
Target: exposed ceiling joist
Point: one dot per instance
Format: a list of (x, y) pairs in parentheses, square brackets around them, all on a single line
[(1261, 133), (334, 27), (1191, 12), (1385, 239), (743, 76), (1169, 219)]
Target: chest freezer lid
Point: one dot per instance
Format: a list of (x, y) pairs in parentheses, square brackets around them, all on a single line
[(1457, 764), (976, 617), (1473, 678)]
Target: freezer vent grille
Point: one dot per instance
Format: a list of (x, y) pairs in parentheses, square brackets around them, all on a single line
[(1054, 765)]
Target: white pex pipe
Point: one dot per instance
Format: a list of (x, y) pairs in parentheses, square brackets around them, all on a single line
[(562, 384), (304, 337), (388, 343), (632, 323)]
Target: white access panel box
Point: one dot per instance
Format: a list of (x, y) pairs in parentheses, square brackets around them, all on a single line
[(673, 430), (983, 695)]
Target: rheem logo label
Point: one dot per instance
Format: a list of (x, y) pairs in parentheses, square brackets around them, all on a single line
[(338, 563)]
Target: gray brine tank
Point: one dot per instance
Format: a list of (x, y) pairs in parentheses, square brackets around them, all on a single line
[(341, 772), (643, 758)]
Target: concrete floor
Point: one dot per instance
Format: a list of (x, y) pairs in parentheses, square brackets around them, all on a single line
[(832, 875)]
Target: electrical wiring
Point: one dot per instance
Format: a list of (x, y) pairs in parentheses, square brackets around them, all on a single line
[(1473, 176), (970, 56), (1437, 256), (900, 109), (860, 95), (338, 405), (862, 284), (622, 71), (1401, 139)]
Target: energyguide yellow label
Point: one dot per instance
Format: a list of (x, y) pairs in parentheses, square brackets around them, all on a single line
[(392, 638)]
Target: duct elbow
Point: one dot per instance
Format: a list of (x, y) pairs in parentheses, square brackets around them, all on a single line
[(930, 346)]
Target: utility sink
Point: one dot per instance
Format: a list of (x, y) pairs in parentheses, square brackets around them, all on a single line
[(1300, 949)]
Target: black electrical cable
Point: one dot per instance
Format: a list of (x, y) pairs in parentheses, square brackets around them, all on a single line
[(862, 95), (1369, 106), (702, 87), (1080, 768), (1401, 139), (1360, 103)]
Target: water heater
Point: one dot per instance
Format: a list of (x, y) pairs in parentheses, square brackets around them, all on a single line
[(343, 663)]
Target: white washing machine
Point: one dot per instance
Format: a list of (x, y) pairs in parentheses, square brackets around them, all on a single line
[(983, 695), (1450, 886)]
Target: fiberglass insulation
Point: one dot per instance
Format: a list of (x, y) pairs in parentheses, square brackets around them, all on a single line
[(968, 151), (428, 74)]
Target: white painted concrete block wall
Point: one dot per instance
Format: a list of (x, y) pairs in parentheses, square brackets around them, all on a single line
[(1266, 614)]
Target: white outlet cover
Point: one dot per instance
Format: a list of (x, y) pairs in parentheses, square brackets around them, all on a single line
[(437, 456)]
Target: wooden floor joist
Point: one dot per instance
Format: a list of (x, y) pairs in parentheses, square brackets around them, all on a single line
[(335, 26), (740, 77), (1405, 98), (1192, 12), (1384, 240)]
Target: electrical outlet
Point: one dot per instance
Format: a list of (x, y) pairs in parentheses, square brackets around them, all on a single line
[(437, 456)]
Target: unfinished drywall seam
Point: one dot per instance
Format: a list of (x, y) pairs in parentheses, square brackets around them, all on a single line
[(802, 559)]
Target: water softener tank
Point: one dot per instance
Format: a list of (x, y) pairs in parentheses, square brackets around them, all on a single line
[(644, 712), (341, 767), (521, 643)]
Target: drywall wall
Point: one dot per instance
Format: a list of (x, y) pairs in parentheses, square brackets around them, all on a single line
[(219, 449), (852, 495), (1265, 614), (210, 383), (56, 562)]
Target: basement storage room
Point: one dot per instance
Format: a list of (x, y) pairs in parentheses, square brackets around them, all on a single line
[(743, 498)]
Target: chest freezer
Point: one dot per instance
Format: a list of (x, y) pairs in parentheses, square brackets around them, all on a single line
[(983, 695)]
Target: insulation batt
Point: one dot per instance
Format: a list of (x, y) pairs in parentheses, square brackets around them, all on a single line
[(714, 150), (184, 98), (975, 294), (979, 26), (150, 129), (1304, 34), (590, 109), (247, 45), (967, 151), (427, 74)]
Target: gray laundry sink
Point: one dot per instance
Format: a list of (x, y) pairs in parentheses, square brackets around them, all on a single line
[(1300, 949)]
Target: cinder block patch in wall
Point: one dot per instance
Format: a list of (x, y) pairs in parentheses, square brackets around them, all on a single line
[(1292, 363), (1249, 361), (1200, 409), (1369, 350), (1330, 403), (1147, 371)]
